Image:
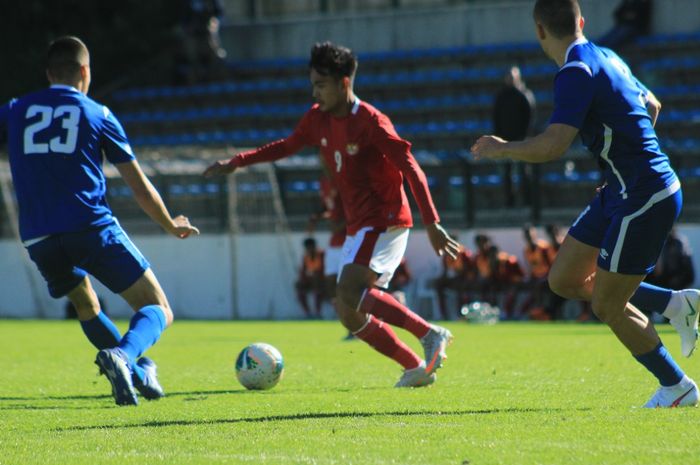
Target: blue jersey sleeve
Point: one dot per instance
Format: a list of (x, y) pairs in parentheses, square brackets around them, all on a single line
[(573, 95), (114, 141)]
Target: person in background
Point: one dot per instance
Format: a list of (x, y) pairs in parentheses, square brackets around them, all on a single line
[(331, 210), (201, 56), (539, 256), (311, 279), (674, 269), (513, 117), (507, 276), (457, 275), (632, 19), (402, 277)]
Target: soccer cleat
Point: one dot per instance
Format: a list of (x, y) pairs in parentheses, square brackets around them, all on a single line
[(683, 394), (115, 365), (686, 320), (416, 377), (434, 344), (150, 388)]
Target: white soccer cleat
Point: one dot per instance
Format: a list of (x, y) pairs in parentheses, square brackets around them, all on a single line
[(416, 377), (434, 344), (685, 322), (683, 394)]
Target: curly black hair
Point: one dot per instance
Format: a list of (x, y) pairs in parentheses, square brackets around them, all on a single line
[(329, 59)]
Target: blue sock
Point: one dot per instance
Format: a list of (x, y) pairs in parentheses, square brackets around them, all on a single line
[(660, 363), (649, 298), (101, 332), (144, 330)]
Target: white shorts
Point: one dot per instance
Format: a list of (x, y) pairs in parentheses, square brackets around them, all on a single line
[(331, 261), (378, 249)]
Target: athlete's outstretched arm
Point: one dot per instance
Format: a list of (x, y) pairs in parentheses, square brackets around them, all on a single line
[(267, 153), (150, 201), (547, 146)]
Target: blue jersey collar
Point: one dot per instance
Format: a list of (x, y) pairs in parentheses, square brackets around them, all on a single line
[(579, 41), (63, 86)]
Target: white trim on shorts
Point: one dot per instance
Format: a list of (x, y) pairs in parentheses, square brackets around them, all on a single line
[(385, 256), (331, 261), (654, 199)]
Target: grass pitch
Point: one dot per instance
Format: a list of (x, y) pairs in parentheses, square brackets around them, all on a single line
[(509, 394)]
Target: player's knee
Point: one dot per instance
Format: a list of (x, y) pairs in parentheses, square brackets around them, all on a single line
[(560, 286), (348, 296), (169, 316), (606, 312), (350, 317), (86, 311)]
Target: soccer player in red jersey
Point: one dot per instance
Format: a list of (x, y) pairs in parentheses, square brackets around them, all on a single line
[(368, 161)]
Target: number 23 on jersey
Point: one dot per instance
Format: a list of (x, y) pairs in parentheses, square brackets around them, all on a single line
[(68, 116)]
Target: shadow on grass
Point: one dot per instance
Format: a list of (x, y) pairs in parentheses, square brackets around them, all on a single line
[(54, 407), (188, 395), (313, 416), (107, 396)]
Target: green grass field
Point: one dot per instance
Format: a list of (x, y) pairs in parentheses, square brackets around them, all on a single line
[(509, 394)]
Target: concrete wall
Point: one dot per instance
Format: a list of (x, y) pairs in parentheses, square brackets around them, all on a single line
[(411, 28), (202, 282)]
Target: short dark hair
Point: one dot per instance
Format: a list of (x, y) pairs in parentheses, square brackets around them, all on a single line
[(309, 242), (329, 59), (65, 57), (559, 17)]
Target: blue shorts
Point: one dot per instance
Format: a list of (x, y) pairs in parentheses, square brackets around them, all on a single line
[(105, 252), (631, 233)]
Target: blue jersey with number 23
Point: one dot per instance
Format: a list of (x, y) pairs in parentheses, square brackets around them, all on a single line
[(57, 138)]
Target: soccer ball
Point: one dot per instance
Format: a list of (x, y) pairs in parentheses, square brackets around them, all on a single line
[(259, 366), (481, 312)]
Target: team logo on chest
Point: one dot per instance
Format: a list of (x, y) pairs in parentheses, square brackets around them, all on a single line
[(352, 149), (324, 142)]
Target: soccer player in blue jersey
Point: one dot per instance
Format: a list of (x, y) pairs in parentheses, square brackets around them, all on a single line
[(57, 138), (618, 237)]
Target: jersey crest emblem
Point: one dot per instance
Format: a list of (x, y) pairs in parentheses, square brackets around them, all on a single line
[(324, 142), (352, 149)]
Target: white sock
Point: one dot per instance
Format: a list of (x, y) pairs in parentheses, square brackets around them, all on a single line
[(674, 305)]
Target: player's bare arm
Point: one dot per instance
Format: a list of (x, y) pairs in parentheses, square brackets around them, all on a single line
[(547, 146), (151, 203)]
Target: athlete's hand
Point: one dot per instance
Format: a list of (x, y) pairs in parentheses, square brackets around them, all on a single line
[(488, 147), (441, 241), (182, 228), (218, 168)]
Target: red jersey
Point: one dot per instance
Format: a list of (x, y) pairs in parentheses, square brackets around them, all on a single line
[(368, 161), (333, 211)]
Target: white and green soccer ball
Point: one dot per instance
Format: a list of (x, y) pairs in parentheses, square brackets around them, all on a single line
[(259, 366)]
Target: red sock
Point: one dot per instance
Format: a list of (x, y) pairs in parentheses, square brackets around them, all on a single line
[(383, 339), (384, 306)]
